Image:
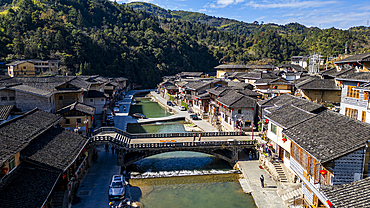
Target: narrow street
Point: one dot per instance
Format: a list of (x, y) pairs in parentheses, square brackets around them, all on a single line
[(93, 191)]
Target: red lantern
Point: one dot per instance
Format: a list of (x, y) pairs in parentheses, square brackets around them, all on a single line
[(232, 109), (266, 120), (252, 108), (224, 106), (329, 203), (217, 96), (5, 170), (284, 139), (323, 173)]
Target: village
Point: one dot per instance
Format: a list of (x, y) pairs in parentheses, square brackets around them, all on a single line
[(311, 126)]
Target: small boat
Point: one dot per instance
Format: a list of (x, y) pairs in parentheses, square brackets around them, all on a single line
[(138, 115)]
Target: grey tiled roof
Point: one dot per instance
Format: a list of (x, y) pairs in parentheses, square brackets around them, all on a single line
[(355, 58), (31, 90), (95, 94), (240, 85), (249, 93), (229, 66), (234, 99), (5, 111), (287, 115), (287, 99), (84, 108), (260, 75), (49, 150), (358, 76), (275, 81), (319, 84), (355, 194), (16, 133), (27, 186), (15, 63), (191, 74), (329, 135)]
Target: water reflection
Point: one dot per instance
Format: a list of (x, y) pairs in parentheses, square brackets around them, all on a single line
[(149, 108), (159, 127)]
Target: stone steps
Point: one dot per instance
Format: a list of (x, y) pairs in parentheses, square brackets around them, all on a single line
[(293, 195), (279, 170)]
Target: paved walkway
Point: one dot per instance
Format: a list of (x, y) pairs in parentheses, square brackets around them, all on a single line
[(204, 125), (264, 197), (93, 191)]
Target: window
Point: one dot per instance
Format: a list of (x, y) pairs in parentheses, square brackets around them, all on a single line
[(60, 97), (287, 154), (11, 98), (351, 92), (4, 98), (68, 121), (91, 100), (11, 163), (363, 117), (24, 73), (24, 67), (351, 113), (273, 128), (239, 111), (102, 99), (78, 120), (366, 95)]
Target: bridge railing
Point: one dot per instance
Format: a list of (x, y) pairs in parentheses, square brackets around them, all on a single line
[(119, 140), (189, 144), (110, 129), (167, 135), (188, 134)]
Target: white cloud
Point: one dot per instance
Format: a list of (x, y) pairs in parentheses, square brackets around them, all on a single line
[(224, 3), (290, 4), (202, 10), (129, 1)]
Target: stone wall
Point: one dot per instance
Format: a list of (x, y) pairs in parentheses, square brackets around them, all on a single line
[(26, 102)]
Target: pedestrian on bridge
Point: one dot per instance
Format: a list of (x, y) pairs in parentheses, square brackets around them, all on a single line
[(199, 137), (250, 155), (106, 148)]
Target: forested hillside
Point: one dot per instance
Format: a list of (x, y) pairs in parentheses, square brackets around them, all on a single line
[(110, 39), (303, 40)]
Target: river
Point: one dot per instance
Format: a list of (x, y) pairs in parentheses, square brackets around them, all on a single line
[(214, 190)]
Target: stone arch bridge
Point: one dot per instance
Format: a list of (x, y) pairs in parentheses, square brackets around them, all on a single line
[(134, 147)]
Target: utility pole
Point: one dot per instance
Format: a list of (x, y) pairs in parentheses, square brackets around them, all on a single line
[(346, 46)]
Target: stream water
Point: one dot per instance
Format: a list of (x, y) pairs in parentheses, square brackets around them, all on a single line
[(191, 190)]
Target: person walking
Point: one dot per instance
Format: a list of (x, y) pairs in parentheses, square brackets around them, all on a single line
[(106, 148), (199, 137), (113, 149), (193, 137), (262, 179), (250, 155)]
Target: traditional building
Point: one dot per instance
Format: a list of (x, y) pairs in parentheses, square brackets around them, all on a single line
[(77, 117), (21, 69), (354, 99), (226, 68), (328, 149), (38, 163), (319, 90)]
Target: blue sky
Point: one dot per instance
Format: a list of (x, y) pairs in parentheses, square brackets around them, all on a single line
[(342, 14)]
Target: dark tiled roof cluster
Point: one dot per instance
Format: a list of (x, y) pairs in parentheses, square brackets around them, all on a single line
[(16, 133), (287, 115), (329, 135), (27, 186), (275, 81), (81, 107), (355, 58), (45, 86), (50, 150), (355, 194), (319, 84)]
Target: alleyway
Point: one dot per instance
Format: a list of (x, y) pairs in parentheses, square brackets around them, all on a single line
[(94, 187)]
